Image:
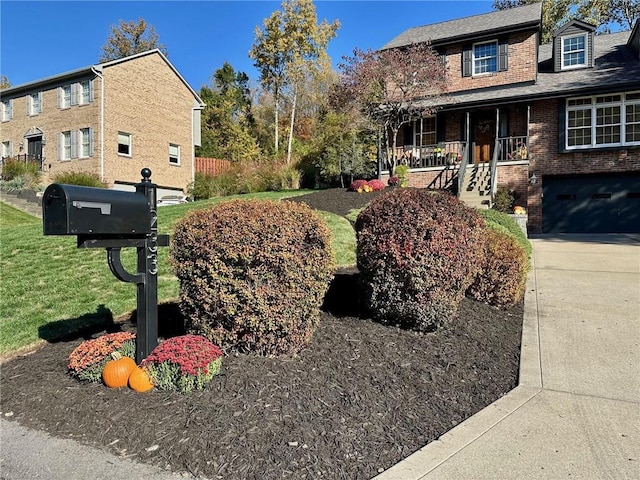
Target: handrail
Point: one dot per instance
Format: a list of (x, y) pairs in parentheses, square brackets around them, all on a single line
[(463, 167), (494, 168)]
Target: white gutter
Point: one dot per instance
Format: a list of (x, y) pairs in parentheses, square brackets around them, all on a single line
[(94, 70)]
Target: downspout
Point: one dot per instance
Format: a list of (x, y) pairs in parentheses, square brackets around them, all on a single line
[(98, 74)]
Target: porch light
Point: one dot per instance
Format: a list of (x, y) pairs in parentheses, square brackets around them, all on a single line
[(533, 179)]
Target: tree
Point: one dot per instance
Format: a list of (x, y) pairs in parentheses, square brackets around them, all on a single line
[(227, 119), (290, 47), (4, 82), (129, 38), (605, 13), (392, 87), (602, 13)]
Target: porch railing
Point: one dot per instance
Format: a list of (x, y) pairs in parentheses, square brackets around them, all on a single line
[(513, 148), (493, 169), (424, 156)]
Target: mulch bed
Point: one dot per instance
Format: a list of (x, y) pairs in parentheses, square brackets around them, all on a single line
[(359, 399)]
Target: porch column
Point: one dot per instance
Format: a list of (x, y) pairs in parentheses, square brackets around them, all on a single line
[(468, 138), (528, 121)]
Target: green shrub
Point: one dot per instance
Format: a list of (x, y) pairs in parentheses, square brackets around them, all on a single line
[(502, 278), (26, 174), (253, 274), (495, 219), (402, 172), (504, 199), (13, 185), (79, 178), (417, 255), (247, 177)]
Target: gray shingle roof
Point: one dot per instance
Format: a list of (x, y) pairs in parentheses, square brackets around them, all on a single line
[(456, 30)]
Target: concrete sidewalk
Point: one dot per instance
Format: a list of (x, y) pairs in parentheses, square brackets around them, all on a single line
[(576, 411)]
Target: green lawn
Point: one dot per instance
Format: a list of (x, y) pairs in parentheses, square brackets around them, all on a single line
[(12, 217), (48, 286)]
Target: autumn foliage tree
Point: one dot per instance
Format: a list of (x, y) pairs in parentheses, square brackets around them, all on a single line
[(392, 87), (289, 48), (129, 38)]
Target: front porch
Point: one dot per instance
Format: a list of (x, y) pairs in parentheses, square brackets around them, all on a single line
[(469, 152)]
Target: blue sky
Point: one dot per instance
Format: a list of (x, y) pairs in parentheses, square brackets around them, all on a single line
[(40, 39)]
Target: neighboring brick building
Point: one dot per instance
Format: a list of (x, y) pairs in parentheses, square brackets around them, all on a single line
[(110, 119), (557, 123)]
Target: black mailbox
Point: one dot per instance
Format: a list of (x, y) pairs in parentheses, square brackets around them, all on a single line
[(74, 210)]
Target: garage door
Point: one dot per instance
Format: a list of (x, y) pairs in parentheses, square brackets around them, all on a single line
[(591, 204)]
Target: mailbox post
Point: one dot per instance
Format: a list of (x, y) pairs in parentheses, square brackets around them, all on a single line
[(113, 220)]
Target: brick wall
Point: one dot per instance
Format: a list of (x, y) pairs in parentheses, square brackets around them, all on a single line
[(521, 65), (145, 98)]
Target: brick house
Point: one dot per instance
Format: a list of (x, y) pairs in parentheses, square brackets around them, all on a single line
[(110, 119), (558, 123)]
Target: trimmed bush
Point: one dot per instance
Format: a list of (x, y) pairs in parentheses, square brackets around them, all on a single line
[(253, 274), (504, 199), (502, 221), (417, 255), (79, 178), (502, 278)]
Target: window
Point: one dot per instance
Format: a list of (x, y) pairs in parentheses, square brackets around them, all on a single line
[(65, 96), (174, 154), (632, 118), (603, 121), (34, 104), (86, 145), (425, 131), (6, 149), (574, 51), (124, 144), (485, 57), (85, 92), (65, 146), (7, 110)]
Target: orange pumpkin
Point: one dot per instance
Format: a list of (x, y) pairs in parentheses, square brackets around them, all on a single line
[(139, 380), (116, 372)]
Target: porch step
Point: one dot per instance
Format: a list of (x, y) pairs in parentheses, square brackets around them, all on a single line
[(476, 186)]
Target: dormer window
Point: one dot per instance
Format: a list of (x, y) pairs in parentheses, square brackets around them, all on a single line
[(574, 51), (573, 46)]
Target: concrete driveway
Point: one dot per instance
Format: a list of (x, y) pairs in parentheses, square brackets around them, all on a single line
[(576, 411)]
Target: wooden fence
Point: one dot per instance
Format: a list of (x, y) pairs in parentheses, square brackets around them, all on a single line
[(212, 166)]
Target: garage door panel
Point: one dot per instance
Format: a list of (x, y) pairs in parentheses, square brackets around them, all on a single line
[(588, 204)]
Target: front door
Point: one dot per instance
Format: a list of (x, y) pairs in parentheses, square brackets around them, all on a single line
[(34, 148), (485, 138)]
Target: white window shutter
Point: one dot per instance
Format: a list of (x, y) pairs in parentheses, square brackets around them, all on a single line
[(91, 142), (74, 143), (91, 90), (28, 102), (60, 95), (60, 145), (74, 93), (10, 148), (10, 109)]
